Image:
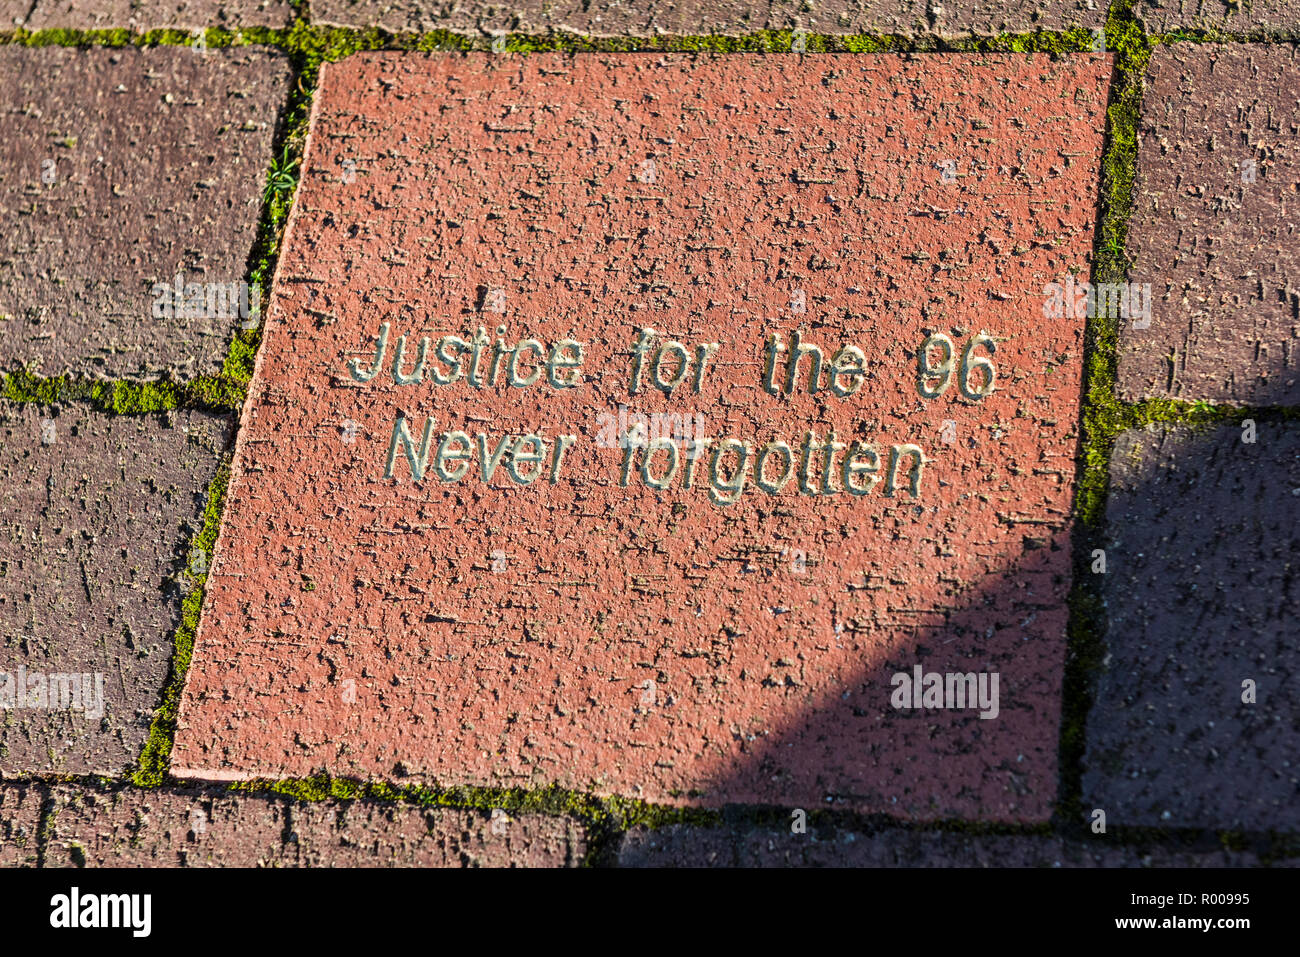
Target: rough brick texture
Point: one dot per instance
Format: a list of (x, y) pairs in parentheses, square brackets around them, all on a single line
[(96, 514), (1203, 531), (178, 828), (1220, 252), (147, 828), (120, 168), (20, 815), (691, 17), (684, 846), (12, 13), (659, 644), (1159, 16), (362, 833), (142, 15)]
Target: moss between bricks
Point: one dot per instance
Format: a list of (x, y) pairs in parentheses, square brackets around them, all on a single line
[(237, 370), (1215, 35), (319, 43), (211, 393), (606, 820), (1102, 415), (154, 760)]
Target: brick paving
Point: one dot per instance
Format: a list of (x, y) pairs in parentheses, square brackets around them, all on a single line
[(1160, 16), (96, 514), (122, 170), (797, 679), (682, 846), (172, 828), (694, 17), (444, 192), (1202, 536), (12, 13), (143, 15), (1214, 228), (20, 820)]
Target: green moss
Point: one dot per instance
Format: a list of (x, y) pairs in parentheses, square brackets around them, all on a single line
[(230, 389), (605, 819), (151, 770), (1215, 35), (213, 393), (321, 44), (316, 43), (214, 38), (1102, 416)]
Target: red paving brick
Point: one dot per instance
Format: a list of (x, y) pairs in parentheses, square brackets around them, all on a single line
[(177, 828), (142, 15), (690, 17), (96, 515), (685, 846), (20, 815), (1214, 230), (120, 169), (356, 623)]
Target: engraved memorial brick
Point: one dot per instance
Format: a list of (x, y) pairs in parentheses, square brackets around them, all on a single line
[(669, 427)]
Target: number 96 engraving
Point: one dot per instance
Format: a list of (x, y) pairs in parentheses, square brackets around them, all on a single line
[(933, 380)]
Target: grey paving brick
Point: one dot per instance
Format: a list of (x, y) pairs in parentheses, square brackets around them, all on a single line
[(1162, 16), (20, 815), (213, 827), (163, 828), (686, 846), (1202, 594), (1214, 229), (378, 834), (96, 515), (612, 18), (144, 15), (13, 13), (121, 168)]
